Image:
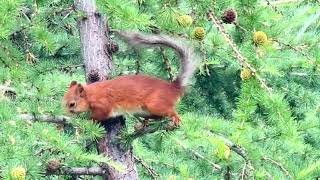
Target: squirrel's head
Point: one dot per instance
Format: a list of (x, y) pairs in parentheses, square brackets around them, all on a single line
[(75, 100)]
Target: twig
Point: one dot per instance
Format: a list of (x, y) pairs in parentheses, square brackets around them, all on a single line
[(283, 169), (149, 129), (298, 74), (64, 68), (243, 172), (45, 118), (279, 2), (292, 47), (138, 61), (195, 153), (227, 175), (79, 171), (241, 59), (267, 137), (237, 149), (166, 63), (150, 170), (273, 7), (203, 52), (239, 26)]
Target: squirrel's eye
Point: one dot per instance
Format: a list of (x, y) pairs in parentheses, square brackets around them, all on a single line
[(72, 104)]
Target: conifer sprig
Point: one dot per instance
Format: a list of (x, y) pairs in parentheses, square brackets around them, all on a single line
[(241, 59)]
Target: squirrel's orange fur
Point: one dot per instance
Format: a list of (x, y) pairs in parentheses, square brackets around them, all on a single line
[(136, 94)]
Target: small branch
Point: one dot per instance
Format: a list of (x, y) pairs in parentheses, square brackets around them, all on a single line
[(195, 153), (283, 169), (292, 47), (65, 68), (167, 64), (243, 174), (204, 54), (241, 59), (237, 149), (45, 118), (267, 137), (150, 170), (152, 128), (240, 151), (279, 2), (273, 7), (227, 175), (79, 171), (298, 74), (138, 61), (240, 27)]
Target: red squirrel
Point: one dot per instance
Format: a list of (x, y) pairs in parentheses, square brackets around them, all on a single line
[(140, 95)]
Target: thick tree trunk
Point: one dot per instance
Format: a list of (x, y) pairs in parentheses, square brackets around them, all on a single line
[(98, 64)]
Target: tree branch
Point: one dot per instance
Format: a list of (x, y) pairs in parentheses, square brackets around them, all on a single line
[(166, 63), (273, 7), (150, 170), (198, 155), (45, 118), (237, 149), (283, 169), (79, 171), (292, 47)]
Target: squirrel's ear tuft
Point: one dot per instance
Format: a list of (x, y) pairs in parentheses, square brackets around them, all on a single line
[(73, 83), (81, 91)]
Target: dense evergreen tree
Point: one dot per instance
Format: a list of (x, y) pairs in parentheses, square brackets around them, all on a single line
[(252, 112)]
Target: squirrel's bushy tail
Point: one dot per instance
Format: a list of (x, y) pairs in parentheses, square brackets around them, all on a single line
[(188, 60)]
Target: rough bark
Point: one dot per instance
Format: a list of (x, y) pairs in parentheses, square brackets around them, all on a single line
[(94, 40), (98, 64)]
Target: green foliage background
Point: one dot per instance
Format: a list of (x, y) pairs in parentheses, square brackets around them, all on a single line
[(40, 50)]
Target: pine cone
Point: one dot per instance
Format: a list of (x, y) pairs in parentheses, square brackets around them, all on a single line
[(199, 33), (53, 166), (229, 16), (18, 173), (260, 38), (93, 76), (112, 47), (185, 20), (245, 74)]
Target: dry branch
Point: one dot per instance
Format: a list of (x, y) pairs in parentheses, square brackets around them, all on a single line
[(237, 149), (166, 63), (79, 171), (280, 2), (204, 54), (274, 7), (241, 59), (292, 47), (198, 155), (150, 170), (45, 118), (283, 169), (151, 129)]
